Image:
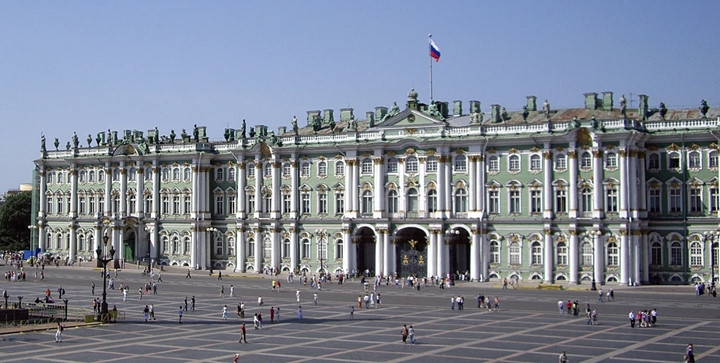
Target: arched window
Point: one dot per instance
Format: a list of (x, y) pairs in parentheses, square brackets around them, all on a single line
[(673, 160), (392, 165), (696, 254), (231, 246), (339, 248), (586, 160), (267, 247), (514, 163), (286, 170), (366, 166), (412, 200), (676, 254), (535, 162), (367, 202), (322, 168), (305, 248), (656, 253), (493, 163), (654, 162), (613, 254), (285, 248), (392, 201), (586, 200), (251, 250), (514, 253), (339, 168), (187, 246), (250, 168), (305, 169), (432, 200), (494, 252), (267, 170), (694, 159), (713, 159), (536, 250), (460, 200), (411, 164)]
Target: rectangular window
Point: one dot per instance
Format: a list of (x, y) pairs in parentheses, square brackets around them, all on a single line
[(186, 203), (612, 201), (305, 203), (286, 203), (219, 204), (695, 202), (493, 202), (536, 201), (514, 201), (250, 203), (176, 204), (560, 201), (654, 200), (714, 199), (322, 203), (231, 204), (431, 165), (339, 202), (674, 201), (165, 204)]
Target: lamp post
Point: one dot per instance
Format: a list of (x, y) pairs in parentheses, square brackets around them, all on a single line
[(105, 256), (713, 237), (596, 235), (321, 248)]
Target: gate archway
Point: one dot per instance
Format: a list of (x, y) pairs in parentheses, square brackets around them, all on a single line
[(411, 252), (365, 245)]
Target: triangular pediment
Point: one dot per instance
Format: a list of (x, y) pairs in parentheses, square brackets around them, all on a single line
[(410, 118)]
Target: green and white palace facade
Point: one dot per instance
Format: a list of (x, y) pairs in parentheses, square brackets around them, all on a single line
[(602, 192)]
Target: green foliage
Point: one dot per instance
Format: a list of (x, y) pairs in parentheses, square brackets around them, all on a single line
[(14, 222)]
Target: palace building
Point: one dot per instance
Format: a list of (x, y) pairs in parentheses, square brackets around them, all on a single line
[(602, 192)]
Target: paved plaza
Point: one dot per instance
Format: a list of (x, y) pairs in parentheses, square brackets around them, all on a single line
[(528, 327)]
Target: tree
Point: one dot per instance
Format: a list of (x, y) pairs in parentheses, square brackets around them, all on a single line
[(14, 222)]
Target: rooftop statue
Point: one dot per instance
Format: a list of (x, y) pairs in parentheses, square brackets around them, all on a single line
[(525, 113), (75, 140), (704, 108), (295, 125), (57, 143), (434, 112), (242, 129), (42, 144), (663, 110), (172, 136), (196, 133), (623, 105), (394, 110), (546, 109)]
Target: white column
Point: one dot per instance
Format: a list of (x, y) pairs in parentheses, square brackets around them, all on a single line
[(633, 187), (73, 242), (108, 190), (645, 256), (642, 196), (635, 247), (259, 242), (402, 196), (422, 189), (379, 190), (140, 195), (443, 256), (241, 249), (485, 252), (480, 187), (547, 184), (195, 251), (293, 248), (432, 253), (346, 250), (386, 253), (275, 250), (442, 188), (624, 256), (573, 189), (258, 189), (156, 192), (379, 251), (623, 198), (598, 261), (548, 258), (276, 195), (242, 197), (42, 198), (123, 191), (475, 257), (472, 184), (73, 212), (573, 256), (294, 195), (598, 189)]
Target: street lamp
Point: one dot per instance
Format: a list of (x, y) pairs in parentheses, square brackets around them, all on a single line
[(713, 238), (596, 234), (321, 233), (104, 257)]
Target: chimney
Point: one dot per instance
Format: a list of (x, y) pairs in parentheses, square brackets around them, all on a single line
[(443, 108), (607, 102), (282, 130), (457, 108), (328, 116), (643, 108), (475, 107), (346, 114), (370, 117), (591, 100), (380, 112), (495, 113), (311, 115), (531, 103)]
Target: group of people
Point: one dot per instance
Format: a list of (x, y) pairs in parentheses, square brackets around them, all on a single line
[(701, 289), (569, 307), (643, 318), (486, 302)]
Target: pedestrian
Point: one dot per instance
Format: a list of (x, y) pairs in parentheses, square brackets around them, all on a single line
[(124, 292), (452, 302), (239, 308), (58, 332), (180, 310), (689, 354), (237, 357), (160, 277), (219, 275), (272, 314), (146, 313), (594, 317), (359, 302), (61, 291), (404, 333), (299, 313), (631, 316), (315, 298), (224, 312), (152, 312), (411, 335), (256, 321), (260, 319), (185, 303), (600, 295), (192, 303), (297, 295), (352, 312), (188, 275), (277, 314), (222, 290), (563, 358), (260, 300), (92, 287), (561, 305), (232, 291), (243, 338), (140, 293)]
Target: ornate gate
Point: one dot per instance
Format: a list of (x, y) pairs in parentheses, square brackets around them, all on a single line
[(413, 259)]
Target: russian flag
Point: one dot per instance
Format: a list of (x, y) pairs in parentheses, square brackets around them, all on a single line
[(434, 51)]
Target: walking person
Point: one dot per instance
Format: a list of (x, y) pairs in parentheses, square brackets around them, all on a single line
[(277, 314), (92, 288), (243, 338), (58, 332), (224, 312), (185, 303), (272, 315), (146, 313), (631, 316), (222, 290), (299, 313), (192, 303), (232, 291), (152, 312), (689, 354), (219, 275), (404, 333), (315, 298), (188, 275), (563, 358), (411, 335), (180, 310), (352, 312), (297, 295)]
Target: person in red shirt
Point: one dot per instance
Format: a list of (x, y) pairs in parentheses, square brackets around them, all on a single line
[(243, 338)]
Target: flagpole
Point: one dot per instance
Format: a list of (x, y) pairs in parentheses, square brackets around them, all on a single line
[(431, 75)]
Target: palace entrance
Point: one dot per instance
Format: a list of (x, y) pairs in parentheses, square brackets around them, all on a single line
[(364, 241), (411, 252)]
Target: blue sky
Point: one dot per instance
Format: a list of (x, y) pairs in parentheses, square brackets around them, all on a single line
[(86, 66)]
